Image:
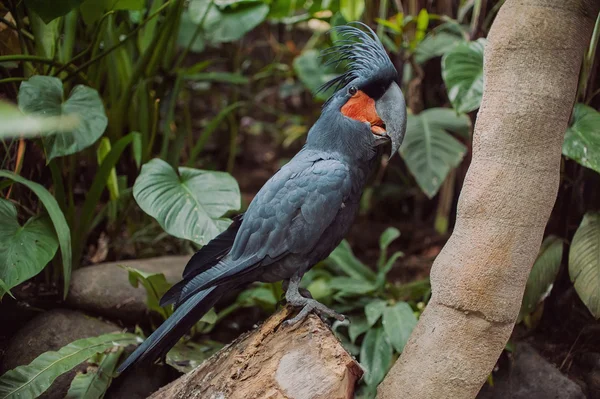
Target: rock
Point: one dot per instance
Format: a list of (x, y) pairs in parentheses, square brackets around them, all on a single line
[(104, 289), (530, 377), (51, 331)]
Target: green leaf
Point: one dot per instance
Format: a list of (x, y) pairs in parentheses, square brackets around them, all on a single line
[(358, 326), (375, 356), (222, 77), (16, 124), (43, 95), (352, 10), (185, 357), (187, 205), (260, 295), (95, 381), (429, 151), (343, 258), (438, 42), (584, 262), (31, 380), (543, 274), (462, 70), (313, 73), (187, 30), (320, 289), (374, 310), (351, 286), (58, 220), (387, 237), (124, 4), (230, 24), (46, 35), (398, 323), (49, 10), (155, 285), (111, 183), (24, 250), (582, 140)]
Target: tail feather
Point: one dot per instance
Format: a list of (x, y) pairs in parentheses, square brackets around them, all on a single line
[(175, 327)]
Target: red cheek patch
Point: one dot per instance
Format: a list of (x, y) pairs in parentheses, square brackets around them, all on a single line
[(361, 107)]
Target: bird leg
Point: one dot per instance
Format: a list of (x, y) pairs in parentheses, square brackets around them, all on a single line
[(293, 297)]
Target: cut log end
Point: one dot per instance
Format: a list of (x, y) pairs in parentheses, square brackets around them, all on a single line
[(305, 361)]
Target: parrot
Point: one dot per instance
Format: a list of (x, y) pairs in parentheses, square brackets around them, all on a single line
[(303, 212)]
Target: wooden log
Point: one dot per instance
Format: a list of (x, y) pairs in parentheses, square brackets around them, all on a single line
[(305, 361)]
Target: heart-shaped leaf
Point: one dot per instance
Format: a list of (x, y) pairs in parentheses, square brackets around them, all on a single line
[(542, 274), (462, 70), (229, 24), (582, 140), (398, 323), (375, 355), (429, 151), (31, 380), (24, 250), (187, 205), (584, 262), (43, 95)]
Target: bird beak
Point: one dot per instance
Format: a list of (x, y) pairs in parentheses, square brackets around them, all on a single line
[(391, 108)]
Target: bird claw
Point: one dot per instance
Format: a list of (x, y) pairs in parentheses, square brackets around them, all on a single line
[(309, 305)]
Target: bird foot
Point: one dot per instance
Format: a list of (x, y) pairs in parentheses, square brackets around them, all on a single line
[(309, 305)]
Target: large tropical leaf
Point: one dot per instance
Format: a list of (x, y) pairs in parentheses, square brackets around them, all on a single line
[(398, 323), (313, 73), (222, 25), (584, 262), (24, 250), (95, 381), (187, 205), (582, 140), (375, 355), (429, 151), (58, 220), (439, 41), (542, 274), (462, 70), (49, 10), (43, 95), (30, 381)]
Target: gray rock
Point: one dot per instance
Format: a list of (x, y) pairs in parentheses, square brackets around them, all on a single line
[(531, 377), (104, 289), (51, 331)]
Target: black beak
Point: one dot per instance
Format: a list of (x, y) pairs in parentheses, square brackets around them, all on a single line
[(391, 108)]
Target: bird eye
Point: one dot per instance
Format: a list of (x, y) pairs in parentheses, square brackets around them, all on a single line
[(352, 90)]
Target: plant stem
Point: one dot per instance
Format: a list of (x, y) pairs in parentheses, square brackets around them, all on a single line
[(116, 46), (199, 29), (12, 80), (41, 60), (588, 62)]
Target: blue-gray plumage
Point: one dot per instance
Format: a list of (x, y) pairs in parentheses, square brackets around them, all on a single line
[(304, 211)]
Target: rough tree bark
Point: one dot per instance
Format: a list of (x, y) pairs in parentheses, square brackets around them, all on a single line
[(531, 69), (274, 361)]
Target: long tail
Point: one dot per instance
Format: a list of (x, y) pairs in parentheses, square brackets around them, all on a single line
[(169, 332)]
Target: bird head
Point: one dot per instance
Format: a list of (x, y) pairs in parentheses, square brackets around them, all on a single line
[(367, 108)]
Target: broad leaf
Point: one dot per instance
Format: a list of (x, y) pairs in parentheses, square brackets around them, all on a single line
[(43, 95), (227, 25), (185, 357), (542, 274), (429, 151), (24, 250), (261, 296), (374, 310), (375, 356), (352, 10), (31, 380), (58, 220), (187, 205), (462, 70), (95, 381), (387, 237), (398, 323), (582, 140), (344, 259), (313, 73), (155, 284), (49, 10), (584, 262), (438, 42), (351, 286), (358, 326)]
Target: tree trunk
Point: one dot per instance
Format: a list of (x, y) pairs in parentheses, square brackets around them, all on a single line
[(274, 361), (531, 68)]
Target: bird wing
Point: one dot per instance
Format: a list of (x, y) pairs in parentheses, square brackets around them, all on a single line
[(287, 216)]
